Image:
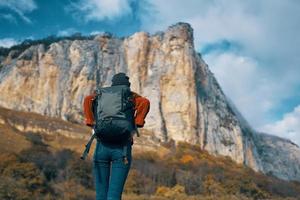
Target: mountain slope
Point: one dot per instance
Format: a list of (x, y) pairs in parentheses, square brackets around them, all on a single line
[(38, 153), (187, 103)]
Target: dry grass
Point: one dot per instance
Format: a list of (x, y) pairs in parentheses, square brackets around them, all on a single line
[(154, 167), (12, 140)]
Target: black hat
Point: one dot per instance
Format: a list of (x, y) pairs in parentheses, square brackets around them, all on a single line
[(120, 79)]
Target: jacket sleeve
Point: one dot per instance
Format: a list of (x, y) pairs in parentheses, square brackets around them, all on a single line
[(142, 107), (87, 109)]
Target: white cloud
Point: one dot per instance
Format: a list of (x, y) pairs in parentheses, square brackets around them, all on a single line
[(20, 7), (242, 81), (66, 32), (9, 17), (97, 10), (96, 32), (71, 31), (265, 71), (7, 42), (288, 126)]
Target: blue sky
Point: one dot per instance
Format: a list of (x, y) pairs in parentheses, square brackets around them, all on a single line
[(252, 46), (38, 18)]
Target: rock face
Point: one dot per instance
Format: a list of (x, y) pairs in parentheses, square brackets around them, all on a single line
[(279, 157), (187, 103)]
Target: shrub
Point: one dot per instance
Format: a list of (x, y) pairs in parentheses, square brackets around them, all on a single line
[(176, 191)]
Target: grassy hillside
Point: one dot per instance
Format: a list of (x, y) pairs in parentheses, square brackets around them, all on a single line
[(40, 161)]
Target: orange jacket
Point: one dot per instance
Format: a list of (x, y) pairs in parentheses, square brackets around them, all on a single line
[(141, 107)]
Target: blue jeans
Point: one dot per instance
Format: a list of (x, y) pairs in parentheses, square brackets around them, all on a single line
[(110, 170)]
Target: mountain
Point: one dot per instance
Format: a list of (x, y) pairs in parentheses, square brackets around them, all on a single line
[(187, 103)]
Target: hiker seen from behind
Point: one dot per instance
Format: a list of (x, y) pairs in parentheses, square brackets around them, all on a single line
[(115, 113)]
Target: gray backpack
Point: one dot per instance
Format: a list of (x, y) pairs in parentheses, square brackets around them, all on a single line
[(113, 110)]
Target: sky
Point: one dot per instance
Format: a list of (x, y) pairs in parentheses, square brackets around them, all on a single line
[(251, 46)]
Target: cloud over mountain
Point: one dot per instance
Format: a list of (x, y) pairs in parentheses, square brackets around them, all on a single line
[(19, 7)]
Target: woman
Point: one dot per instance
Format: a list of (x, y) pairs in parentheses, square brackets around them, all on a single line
[(110, 169)]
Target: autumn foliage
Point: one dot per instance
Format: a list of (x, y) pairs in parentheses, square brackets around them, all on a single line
[(185, 173)]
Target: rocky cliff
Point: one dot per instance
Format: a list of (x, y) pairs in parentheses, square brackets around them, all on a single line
[(187, 103)]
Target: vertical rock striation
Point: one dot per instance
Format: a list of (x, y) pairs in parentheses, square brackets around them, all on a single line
[(187, 103)]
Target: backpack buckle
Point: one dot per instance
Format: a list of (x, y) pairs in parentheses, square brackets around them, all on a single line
[(125, 160)]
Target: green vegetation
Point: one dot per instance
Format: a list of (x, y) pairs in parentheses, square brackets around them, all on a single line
[(19, 48)]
